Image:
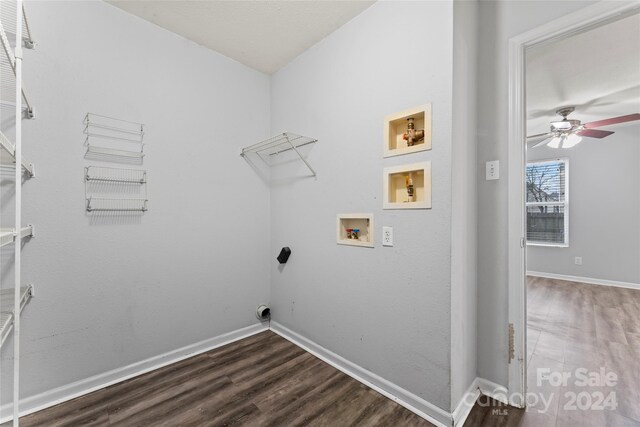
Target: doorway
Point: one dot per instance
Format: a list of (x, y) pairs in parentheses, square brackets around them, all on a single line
[(544, 312)]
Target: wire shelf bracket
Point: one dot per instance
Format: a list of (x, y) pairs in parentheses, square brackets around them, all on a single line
[(7, 309), (281, 143), (10, 235), (10, 150)]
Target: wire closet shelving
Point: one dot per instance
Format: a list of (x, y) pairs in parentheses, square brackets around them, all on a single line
[(8, 36), (15, 35), (115, 189), (278, 144), (114, 140)]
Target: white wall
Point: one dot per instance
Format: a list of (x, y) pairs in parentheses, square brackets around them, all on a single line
[(385, 309), (500, 20), (110, 294), (464, 212), (604, 209)]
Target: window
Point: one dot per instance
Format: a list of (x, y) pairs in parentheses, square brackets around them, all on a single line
[(547, 203)]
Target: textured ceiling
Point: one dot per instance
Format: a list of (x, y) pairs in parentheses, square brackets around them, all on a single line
[(264, 35), (597, 71)]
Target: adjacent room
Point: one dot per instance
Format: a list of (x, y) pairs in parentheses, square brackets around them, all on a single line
[(309, 213), (583, 222)]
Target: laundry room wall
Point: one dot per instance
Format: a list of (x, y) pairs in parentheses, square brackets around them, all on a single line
[(114, 291), (386, 309)]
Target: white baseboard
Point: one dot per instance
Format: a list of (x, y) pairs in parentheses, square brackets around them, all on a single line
[(495, 391), (465, 405), (468, 400), (403, 397), (587, 280), (79, 388)]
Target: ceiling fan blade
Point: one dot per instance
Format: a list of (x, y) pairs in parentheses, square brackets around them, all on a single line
[(594, 133), (543, 142), (537, 136), (612, 121)]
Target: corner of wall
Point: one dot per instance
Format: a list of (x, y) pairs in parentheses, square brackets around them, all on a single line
[(464, 206)]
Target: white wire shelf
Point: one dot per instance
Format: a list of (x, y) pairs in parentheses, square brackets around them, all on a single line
[(278, 144), (9, 235), (7, 308), (98, 204), (96, 125), (8, 155), (115, 175), (8, 60), (113, 140), (8, 19), (281, 143), (115, 189), (114, 154)]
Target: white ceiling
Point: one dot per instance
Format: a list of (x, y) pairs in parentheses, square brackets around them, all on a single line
[(597, 71), (264, 35)]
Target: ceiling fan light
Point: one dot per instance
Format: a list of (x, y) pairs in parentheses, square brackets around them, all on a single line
[(562, 125), (555, 142), (572, 140)]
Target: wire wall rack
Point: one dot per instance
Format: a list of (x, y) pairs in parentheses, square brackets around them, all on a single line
[(115, 140), (99, 204), (115, 190), (122, 176), (281, 143)]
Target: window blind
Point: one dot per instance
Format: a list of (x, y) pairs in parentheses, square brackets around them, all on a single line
[(547, 216)]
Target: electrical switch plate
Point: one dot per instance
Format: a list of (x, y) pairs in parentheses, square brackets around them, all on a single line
[(493, 170), (387, 236), (578, 260)]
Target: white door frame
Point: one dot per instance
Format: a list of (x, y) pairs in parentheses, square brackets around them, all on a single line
[(568, 25)]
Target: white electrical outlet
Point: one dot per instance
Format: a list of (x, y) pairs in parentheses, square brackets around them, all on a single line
[(578, 260), (492, 170), (387, 236)]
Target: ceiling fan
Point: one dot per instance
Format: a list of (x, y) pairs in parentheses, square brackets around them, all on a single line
[(567, 133)]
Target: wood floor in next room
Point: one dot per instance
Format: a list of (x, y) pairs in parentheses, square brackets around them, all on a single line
[(570, 326), (573, 326), (263, 380)]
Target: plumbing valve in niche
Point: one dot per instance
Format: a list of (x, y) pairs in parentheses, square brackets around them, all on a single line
[(408, 179), (353, 233), (412, 136)]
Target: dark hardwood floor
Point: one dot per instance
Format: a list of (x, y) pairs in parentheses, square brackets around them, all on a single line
[(488, 412), (263, 380)]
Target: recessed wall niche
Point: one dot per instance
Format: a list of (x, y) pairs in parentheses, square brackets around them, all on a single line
[(408, 186), (407, 131), (355, 229)]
